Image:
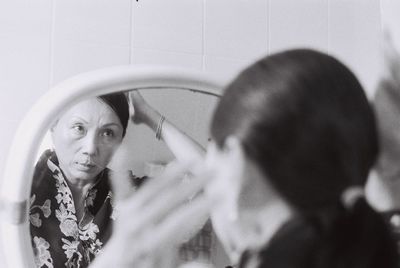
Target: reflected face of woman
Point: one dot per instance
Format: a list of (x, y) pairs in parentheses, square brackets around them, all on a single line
[(85, 138)]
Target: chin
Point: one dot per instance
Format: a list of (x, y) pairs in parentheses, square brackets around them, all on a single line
[(86, 175)]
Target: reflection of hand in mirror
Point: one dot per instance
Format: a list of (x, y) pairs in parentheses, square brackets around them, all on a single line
[(154, 221), (140, 107)]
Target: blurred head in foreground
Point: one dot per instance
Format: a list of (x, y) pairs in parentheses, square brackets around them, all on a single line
[(294, 138)]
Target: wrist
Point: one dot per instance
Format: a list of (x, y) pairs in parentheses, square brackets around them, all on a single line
[(151, 118)]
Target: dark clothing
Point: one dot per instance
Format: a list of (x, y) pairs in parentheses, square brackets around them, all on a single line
[(293, 246), (329, 241), (392, 218), (58, 238)]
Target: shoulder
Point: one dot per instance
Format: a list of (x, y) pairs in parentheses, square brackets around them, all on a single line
[(42, 171), (294, 245)]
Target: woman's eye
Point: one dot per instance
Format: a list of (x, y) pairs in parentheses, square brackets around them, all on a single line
[(108, 133), (78, 129)]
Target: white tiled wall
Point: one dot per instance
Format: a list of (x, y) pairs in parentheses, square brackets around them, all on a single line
[(355, 33), (89, 34), (45, 41), (173, 25), (298, 24), (236, 29)]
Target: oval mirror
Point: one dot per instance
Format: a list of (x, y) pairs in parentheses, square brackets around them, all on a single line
[(185, 97)]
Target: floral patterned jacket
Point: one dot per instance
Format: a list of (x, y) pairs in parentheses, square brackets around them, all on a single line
[(58, 239)]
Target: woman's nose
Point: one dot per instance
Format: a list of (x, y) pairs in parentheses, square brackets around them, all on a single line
[(90, 145)]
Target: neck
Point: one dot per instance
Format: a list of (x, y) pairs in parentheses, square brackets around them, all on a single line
[(80, 184), (259, 224), (261, 212)]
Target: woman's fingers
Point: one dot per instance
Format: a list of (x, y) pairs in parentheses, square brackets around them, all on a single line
[(164, 219), (182, 224), (153, 187), (175, 229), (121, 185), (159, 207), (136, 97), (138, 104)]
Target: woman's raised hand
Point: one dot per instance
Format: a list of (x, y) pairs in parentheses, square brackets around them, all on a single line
[(140, 107), (155, 220)]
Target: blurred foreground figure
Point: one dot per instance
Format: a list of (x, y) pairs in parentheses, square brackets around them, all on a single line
[(293, 140)]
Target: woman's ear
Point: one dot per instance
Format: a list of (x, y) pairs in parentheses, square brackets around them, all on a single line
[(232, 143), (228, 154), (234, 153), (250, 183), (227, 161)]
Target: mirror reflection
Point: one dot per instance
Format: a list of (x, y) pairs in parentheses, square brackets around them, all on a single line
[(72, 206)]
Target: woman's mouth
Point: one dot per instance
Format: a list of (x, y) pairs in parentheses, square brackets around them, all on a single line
[(85, 166)]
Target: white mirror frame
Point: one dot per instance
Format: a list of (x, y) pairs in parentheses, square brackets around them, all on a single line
[(17, 179)]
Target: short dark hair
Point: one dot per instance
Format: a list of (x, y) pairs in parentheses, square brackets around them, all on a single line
[(118, 102)]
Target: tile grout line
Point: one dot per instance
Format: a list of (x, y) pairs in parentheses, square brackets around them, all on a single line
[(329, 26), (52, 42), (203, 60), (131, 34), (268, 27)]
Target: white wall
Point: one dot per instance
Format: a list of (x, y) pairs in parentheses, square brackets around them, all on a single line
[(45, 41)]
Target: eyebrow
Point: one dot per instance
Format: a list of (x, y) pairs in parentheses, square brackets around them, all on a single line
[(78, 118), (111, 124), (74, 118)]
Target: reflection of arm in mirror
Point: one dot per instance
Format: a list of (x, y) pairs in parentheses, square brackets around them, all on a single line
[(182, 146)]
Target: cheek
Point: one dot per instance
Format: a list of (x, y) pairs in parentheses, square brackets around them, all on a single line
[(65, 147), (106, 151)]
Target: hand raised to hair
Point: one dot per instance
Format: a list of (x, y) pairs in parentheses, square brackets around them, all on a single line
[(140, 107)]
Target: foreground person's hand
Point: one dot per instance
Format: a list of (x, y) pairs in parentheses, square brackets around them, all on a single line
[(155, 220)]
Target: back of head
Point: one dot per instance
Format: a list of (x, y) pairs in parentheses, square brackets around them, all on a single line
[(301, 114), (304, 119)]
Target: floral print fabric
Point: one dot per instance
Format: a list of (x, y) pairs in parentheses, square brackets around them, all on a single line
[(58, 238)]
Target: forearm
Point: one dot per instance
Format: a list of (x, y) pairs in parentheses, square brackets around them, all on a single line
[(182, 146)]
